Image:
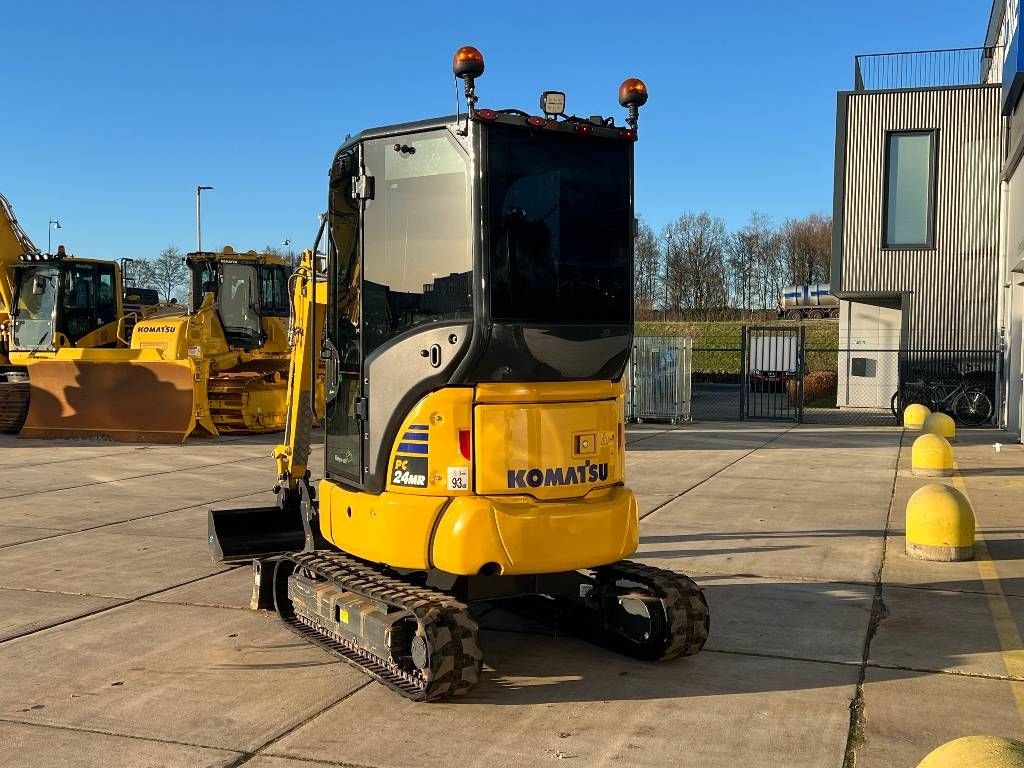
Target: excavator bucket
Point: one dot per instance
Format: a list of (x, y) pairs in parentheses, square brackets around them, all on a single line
[(240, 535), (126, 401)]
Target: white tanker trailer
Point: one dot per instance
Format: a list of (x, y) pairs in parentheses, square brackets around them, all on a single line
[(813, 301)]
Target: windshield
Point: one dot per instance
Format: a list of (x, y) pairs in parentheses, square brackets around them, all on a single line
[(37, 293), (561, 227), (237, 302)]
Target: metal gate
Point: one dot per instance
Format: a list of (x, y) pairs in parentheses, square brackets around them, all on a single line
[(659, 381), (772, 385)]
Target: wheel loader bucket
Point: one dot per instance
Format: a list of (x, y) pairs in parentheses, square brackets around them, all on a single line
[(125, 401), (239, 535)]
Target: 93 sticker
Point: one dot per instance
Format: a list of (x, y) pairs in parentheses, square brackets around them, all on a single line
[(458, 478)]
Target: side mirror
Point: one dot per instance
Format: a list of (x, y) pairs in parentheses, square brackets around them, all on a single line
[(38, 285)]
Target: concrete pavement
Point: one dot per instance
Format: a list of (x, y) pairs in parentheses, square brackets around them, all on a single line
[(122, 644)]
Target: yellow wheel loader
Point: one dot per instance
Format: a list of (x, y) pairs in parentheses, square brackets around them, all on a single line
[(222, 366), (52, 302), (475, 315)]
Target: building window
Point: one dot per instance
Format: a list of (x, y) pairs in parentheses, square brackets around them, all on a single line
[(908, 218)]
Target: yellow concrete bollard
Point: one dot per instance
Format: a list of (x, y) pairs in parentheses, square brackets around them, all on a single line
[(976, 752), (940, 524), (931, 456), (942, 425), (914, 416)]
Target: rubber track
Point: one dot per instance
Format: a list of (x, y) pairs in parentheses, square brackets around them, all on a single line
[(689, 620), (443, 622)]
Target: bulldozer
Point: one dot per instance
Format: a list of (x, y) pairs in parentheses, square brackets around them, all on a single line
[(219, 365), (53, 302), (474, 310)]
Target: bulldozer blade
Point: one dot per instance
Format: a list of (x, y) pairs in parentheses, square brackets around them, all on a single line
[(254, 533), (125, 401)]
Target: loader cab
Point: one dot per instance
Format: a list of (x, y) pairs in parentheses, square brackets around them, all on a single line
[(246, 288), (462, 251), (64, 301)]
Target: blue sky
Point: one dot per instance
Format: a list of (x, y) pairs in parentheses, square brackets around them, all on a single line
[(114, 111)]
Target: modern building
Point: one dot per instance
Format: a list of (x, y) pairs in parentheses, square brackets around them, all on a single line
[(924, 208)]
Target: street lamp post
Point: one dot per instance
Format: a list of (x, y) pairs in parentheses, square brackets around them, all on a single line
[(199, 218), (52, 225), (664, 280)]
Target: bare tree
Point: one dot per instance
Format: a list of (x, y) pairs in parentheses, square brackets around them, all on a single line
[(170, 274), (808, 248), (647, 261), (756, 267), (138, 272), (289, 255), (695, 266)]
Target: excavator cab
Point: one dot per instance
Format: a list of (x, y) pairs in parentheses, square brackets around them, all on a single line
[(476, 319), (61, 301)]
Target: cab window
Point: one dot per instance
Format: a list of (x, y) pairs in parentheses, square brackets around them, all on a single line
[(106, 301), (274, 291)]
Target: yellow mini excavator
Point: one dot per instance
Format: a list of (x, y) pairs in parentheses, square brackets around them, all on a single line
[(52, 302), (221, 366), (475, 314)]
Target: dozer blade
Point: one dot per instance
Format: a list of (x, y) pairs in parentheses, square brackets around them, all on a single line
[(237, 535), (126, 401)]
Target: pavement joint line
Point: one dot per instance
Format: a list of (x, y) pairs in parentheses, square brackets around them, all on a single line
[(250, 754), (126, 452), (317, 760), (870, 665), (122, 522), (718, 471), (133, 477), (124, 601), (1012, 649), (101, 732), (855, 735), (836, 582)]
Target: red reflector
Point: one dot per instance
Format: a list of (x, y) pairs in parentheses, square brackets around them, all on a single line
[(585, 128), (465, 447), (486, 114), (628, 134), (537, 122)]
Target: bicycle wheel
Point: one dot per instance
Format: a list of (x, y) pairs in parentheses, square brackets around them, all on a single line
[(911, 394), (972, 408)]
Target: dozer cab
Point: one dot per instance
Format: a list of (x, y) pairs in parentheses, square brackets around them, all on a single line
[(220, 365), (50, 302), (475, 312)]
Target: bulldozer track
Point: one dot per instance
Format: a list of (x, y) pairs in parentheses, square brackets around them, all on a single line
[(686, 608), (13, 406), (227, 395), (442, 622)]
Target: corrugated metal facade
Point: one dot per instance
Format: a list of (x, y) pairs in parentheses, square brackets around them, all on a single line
[(951, 291)]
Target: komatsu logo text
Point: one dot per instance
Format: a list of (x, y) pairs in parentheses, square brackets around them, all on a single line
[(588, 472), (155, 329)]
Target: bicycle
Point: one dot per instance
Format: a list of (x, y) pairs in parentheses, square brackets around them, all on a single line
[(970, 405)]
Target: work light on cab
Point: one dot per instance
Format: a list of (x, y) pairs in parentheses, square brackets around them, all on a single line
[(552, 102)]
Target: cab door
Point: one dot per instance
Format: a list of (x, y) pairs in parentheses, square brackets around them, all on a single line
[(343, 352)]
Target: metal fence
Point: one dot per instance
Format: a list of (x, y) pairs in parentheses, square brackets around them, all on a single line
[(672, 380), (927, 69), (873, 386), (660, 378)]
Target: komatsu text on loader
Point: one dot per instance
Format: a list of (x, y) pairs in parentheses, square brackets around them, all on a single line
[(55, 302), (221, 366), (475, 312)]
